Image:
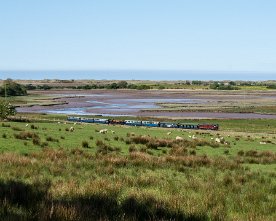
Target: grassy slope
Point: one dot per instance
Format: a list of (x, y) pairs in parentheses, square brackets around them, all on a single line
[(158, 183)]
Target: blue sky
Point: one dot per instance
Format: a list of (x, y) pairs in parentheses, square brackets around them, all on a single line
[(233, 35)]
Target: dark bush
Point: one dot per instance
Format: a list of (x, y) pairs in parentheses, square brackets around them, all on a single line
[(34, 127), (85, 144), (16, 128), (51, 139)]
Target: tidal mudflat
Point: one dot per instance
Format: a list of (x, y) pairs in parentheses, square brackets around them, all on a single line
[(158, 103)]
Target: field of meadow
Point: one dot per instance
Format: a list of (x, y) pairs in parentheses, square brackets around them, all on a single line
[(56, 170)]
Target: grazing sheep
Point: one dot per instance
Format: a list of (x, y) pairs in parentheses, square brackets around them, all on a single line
[(169, 133), (58, 122), (212, 138), (190, 136), (217, 140), (71, 129), (27, 125), (75, 123), (113, 132), (262, 142), (194, 137), (103, 131), (179, 138)]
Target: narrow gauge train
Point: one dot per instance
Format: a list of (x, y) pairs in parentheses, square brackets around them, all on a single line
[(146, 123)]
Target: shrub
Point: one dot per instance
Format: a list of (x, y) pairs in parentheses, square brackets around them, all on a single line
[(192, 152), (17, 129), (99, 143), (6, 125), (6, 109), (178, 151), (36, 141), (241, 153), (44, 144), (51, 139), (25, 135), (12, 89), (132, 148), (128, 141), (104, 148), (34, 127), (85, 144), (122, 139)]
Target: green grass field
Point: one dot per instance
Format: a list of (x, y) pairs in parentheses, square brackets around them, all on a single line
[(135, 173)]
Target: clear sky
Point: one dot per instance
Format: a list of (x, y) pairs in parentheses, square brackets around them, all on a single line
[(226, 35)]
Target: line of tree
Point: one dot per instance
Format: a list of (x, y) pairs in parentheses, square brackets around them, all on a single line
[(11, 88), (118, 85), (271, 86), (220, 86)]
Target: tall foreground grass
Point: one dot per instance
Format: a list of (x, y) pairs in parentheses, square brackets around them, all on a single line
[(76, 185)]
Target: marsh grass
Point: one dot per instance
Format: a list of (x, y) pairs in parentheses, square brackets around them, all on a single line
[(5, 125), (138, 186)]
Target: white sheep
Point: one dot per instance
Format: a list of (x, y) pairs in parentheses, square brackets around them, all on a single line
[(71, 129), (262, 142), (27, 125), (103, 131), (113, 132), (169, 133), (179, 138), (217, 140)]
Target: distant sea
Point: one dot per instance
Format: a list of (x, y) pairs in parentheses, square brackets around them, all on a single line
[(139, 75)]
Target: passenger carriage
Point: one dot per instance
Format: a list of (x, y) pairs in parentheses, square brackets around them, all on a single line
[(188, 126), (101, 121), (168, 125), (133, 122), (150, 124)]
